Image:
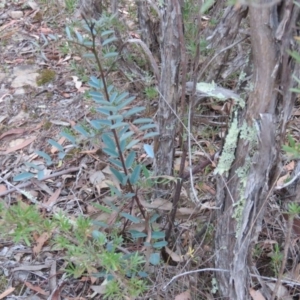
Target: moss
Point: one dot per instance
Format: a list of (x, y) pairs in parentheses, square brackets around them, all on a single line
[(49, 95), (34, 116), (3, 281), (38, 17), (46, 75), (47, 125), (72, 153), (30, 62)]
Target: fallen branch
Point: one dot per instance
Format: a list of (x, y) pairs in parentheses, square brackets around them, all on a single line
[(26, 184)]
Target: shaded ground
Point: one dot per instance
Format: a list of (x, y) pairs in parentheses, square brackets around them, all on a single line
[(42, 93), (36, 106)]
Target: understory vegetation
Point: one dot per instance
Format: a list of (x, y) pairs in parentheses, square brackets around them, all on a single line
[(178, 177)]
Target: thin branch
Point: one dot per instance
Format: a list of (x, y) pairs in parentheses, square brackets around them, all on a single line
[(260, 5), (154, 6), (198, 202), (290, 282), (114, 132), (285, 255), (183, 64), (185, 128), (149, 55), (288, 183), (26, 184), (217, 54)]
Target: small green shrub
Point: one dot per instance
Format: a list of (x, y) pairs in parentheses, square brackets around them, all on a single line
[(276, 259), (88, 248), (151, 93), (292, 149)]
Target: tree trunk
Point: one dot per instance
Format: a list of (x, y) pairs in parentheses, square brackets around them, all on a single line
[(222, 38), (259, 129), (148, 26), (91, 8), (168, 86)]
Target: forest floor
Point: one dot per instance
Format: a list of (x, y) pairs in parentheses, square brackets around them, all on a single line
[(43, 92)]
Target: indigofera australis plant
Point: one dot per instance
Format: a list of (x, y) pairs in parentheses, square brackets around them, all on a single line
[(119, 140), (116, 133)]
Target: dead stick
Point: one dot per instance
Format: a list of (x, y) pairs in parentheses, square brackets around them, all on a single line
[(26, 184)]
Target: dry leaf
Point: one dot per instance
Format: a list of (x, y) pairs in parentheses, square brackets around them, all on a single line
[(46, 30), (52, 277), (32, 4), (206, 188), (100, 216), (7, 292), (99, 289), (282, 180), (175, 257), (2, 188), (66, 95), (184, 296), (91, 209), (96, 177), (256, 295), (36, 288), (105, 184), (112, 218), (43, 238), (60, 141), (20, 145), (78, 83), (139, 226), (185, 211), (290, 166), (158, 203), (53, 199), (6, 26), (296, 224), (177, 163), (13, 131), (296, 111), (135, 129), (56, 294), (282, 292)]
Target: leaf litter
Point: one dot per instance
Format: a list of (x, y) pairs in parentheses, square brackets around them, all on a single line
[(29, 116)]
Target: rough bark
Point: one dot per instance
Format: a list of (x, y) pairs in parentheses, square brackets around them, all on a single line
[(126, 66), (148, 26), (222, 38), (268, 110), (91, 8), (168, 87)]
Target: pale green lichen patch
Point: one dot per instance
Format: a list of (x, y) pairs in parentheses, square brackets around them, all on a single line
[(205, 87), (219, 93), (249, 133), (228, 153), (238, 212), (242, 173)]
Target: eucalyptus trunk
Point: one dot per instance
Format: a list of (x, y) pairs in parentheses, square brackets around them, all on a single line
[(243, 192), (168, 86)]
